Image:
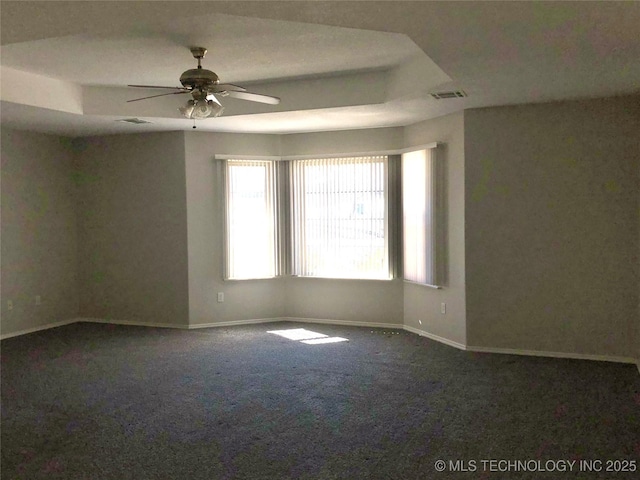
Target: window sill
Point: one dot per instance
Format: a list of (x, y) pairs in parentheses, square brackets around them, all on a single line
[(257, 279), (346, 279), (435, 287)]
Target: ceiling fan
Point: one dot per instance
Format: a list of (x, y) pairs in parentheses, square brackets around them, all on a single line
[(204, 85)]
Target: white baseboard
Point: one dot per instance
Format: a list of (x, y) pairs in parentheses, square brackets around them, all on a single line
[(38, 328), (531, 353), (235, 323), (542, 353), (132, 323), (446, 341), (346, 323)]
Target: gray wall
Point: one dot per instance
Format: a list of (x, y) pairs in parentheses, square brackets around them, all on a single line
[(356, 301), (38, 231), (423, 303), (552, 226), (244, 300), (346, 141), (132, 228)]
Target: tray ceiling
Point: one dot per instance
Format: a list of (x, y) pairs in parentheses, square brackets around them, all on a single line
[(336, 65)]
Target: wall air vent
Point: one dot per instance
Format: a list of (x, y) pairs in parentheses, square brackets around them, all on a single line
[(445, 95), (136, 121)]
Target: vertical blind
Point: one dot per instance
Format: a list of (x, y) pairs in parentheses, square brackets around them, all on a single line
[(339, 217), (419, 216), (250, 219)]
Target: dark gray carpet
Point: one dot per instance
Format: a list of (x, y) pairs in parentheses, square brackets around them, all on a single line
[(90, 401)]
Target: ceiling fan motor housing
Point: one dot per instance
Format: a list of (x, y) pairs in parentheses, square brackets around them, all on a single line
[(199, 78)]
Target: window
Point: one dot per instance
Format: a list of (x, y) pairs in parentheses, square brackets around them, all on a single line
[(250, 219), (419, 217), (339, 223), (354, 217)]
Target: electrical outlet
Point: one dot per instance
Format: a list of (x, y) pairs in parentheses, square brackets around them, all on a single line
[(443, 308), (9, 305), (220, 297), (38, 300)]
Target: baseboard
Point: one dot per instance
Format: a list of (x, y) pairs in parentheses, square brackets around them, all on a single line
[(531, 353), (131, 323), (346, 323), (235, 323), (446, 341), (542, 353), (232, 323), (38, 328)]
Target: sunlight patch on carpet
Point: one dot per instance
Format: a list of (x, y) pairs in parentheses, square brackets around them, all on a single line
[(298, 334), (307, 336)]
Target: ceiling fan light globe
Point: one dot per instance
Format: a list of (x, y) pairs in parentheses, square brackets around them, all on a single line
[(197, 110), (187, 110), (201, 111), (216, 109)]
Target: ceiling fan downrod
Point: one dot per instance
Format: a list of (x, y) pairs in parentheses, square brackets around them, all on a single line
[(198, 53)]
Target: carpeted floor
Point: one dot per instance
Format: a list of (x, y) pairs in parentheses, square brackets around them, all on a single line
[(94, 401)]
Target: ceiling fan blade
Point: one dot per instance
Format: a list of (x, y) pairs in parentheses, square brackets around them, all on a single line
[(156, 86), (226, 87), (154, 96), (253, 97)]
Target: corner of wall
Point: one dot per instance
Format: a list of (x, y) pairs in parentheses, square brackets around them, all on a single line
[(39, 224), (423, 305)]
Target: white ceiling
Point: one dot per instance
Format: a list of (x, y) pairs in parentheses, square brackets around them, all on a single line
[(336, 65), (241, 49)]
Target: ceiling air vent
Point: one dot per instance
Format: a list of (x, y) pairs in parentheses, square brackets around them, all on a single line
[(136, 121), (445, 95)]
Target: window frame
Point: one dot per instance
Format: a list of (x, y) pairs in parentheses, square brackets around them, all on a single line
[(389, 203), (433, 228), (271, 189)]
